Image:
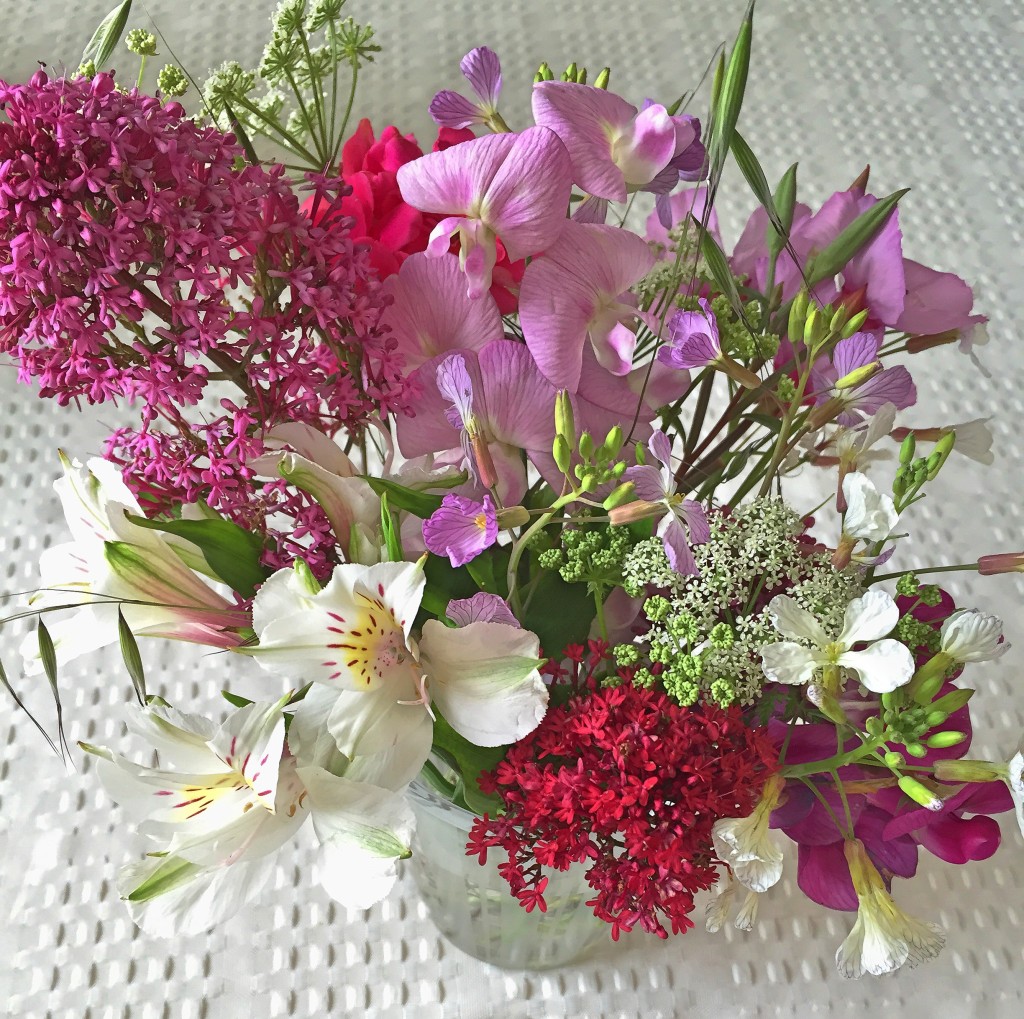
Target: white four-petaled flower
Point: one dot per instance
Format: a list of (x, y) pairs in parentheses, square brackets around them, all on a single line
[(883, 666)]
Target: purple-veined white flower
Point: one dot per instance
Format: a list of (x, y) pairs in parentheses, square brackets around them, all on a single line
[(883, 938), (972, 636), (657, 485), (355, 636), (870, 515), (884, 665), (481, 607), (512, 186), (747, 845), (232, 795)]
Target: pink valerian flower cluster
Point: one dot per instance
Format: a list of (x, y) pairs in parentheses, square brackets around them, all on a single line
[(625, 781), (891, 826)]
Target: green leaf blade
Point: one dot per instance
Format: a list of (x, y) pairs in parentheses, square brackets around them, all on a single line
[(131, 656), (107, 35)]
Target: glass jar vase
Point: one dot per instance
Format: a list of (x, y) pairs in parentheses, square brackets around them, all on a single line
[(471, 905)]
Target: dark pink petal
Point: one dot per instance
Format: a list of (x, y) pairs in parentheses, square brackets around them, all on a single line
[(482, 69), (824, 876), (586, 119), (935, 302), (795, 805), (961, 840), (897, 855), (450, 109), (818, 828)]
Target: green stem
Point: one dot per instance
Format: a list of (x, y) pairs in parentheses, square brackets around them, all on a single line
[(700, 412), (317, 87), (348, 112), (321, 157), (833, 763), (142, 71), (599, 604), (962, 567), (519, 546)]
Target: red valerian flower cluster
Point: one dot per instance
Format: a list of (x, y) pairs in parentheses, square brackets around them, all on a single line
[(626, 781)]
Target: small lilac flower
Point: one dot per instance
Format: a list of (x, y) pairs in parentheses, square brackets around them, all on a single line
[(461, 528), (693, 342), (512, 186), (481, 608), (857, 352), (658, 486), (482, 69), (454, 384)]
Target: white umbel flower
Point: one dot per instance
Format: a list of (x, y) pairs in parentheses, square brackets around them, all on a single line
[(883, 938), (973, 636), (883, 666), (747, 845)]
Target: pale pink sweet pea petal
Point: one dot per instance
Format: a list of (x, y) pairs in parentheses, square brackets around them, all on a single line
[(646, 146), (587, 119), (430, 312), (575, 291), (680, 208), (936, 302), (514, 186)]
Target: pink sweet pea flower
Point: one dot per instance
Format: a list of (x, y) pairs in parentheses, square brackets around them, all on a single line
[(614, 148), (510, 406), (682, 207), (575, 291), (512, 186), (657, 485), (482, 69), (430, 313), (461, 528)]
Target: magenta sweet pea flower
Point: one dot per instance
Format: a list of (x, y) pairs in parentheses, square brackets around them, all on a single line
[(614, 147), (657, 485), (461, 528), (512, 186), (430, 313), (888, 385), (482, 69), (510, 405), (577, 291)]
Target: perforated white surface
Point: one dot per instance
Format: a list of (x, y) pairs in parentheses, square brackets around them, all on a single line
[(930, 92)]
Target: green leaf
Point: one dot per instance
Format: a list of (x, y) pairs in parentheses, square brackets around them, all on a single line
[(234, 699), (48, 656), (469, 760), (392, 539), (107, 35), (719, 267), (754, 175), (131, 656), (419, 504), (785, 202), (727, 98), (172, 872), (559, 613), (32, 718), (445, 582), (232, 552), (857, 236)]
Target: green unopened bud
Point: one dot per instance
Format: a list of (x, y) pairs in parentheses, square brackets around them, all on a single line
[(934, 718), (925, 683), (838, 320), (620, 496), (87, 69), (141, 42), (640, 453), (969, 771), (907, 449), (854, 324), (544, 73), (618, 516), (589, 483), (943, 740), (618, 470), (797, 316), (815, 329), (916, 750), (171, 81), (570, 72), (562, 452), (826, 703), (894, 759), (587, 446), (304, 575), (875, 726), (919, 793), (565, 420), (613, 442), (858, 376), (940, 454), (953, 701), (602, 80), (513, 516)]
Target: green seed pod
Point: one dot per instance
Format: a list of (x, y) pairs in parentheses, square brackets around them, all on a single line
[(919, 793), (562, 452)]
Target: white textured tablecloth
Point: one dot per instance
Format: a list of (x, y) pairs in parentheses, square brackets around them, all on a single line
[(931, 93)]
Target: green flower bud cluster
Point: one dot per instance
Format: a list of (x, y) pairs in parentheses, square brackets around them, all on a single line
[(913, 726), (820, 327), (786, 389), (626, 655), (573, 73), (907, 585), (87, 69), (591, 555), (721, 636), (723, 692), (915, 633), (914, 474), (171, 81), (141, 42)]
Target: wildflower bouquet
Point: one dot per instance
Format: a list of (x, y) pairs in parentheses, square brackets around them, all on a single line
[(495, 488)]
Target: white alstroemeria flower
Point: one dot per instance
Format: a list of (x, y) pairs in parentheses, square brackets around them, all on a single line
[(355, 635), (883, 666), (973, 636), (235, 794), (883, 938), (1015, 780), (747, 845), (870, 515), (111, 558)]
